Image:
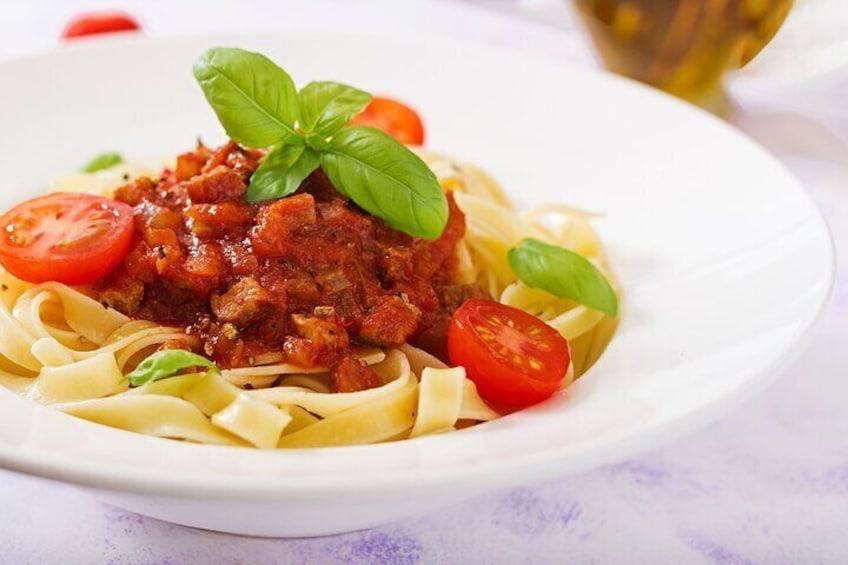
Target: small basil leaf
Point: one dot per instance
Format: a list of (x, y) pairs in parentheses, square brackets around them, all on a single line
[(102, 161), (167, 363), (386, 179), (326, 107), (254, 99), (281, 172), (563, 273)]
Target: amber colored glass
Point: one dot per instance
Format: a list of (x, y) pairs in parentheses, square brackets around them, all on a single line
[(682, 46)]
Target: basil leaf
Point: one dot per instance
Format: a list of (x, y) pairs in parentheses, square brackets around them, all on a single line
[(281, 172), (103, 161), (563, 273), (254, 99), (326, 107), (167, 363), (386, 179)]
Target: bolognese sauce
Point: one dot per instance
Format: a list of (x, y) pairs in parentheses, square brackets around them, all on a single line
[(302, 279)]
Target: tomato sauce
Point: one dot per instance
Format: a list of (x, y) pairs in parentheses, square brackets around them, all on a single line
[(302, 279)]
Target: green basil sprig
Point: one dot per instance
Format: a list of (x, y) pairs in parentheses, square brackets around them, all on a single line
[(368, 166), (281, 172), (563, 273), (258, 105), (255, 100), (167, 363), (326, 107), (102, 161)]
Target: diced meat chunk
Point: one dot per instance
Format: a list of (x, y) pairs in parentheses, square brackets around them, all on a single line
[(205, 269), (240, 259), (322, 330), (419, 291), (240, 159), (303, 290), (276, 222), (300, 351), (390, 323), (339, 214), (152, 216), (137, 191), (273, 330), (351, 375), (217, 185), (225, 345), (160, 236), (343, 285), (140, 262), (167, 252), (397, 263), (452, 296), (244, 161), (244, 302), (433, 338), (321, 339), (189, 165), (121, 292), (213, 220)]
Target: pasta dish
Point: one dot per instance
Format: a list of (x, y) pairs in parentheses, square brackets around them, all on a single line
[(318, 280)]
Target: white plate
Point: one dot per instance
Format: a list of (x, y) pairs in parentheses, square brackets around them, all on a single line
[(724, 260)]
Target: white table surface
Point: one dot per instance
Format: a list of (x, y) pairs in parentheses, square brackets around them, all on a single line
[(769, 484)]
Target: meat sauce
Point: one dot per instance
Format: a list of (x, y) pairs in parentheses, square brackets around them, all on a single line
[(302, 279)]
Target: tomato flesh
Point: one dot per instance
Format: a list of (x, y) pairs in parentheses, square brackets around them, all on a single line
[(65, 237), (514, 358), (393, 117), (96, 23)]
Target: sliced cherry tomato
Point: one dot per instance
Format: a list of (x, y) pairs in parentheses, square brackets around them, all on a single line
[(396, 119), (66, 237), (514, 358), (95, 23)]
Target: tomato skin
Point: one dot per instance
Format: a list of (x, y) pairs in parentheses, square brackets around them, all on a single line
[(66, 237), (514, 358), (96, 23), (393, 117)]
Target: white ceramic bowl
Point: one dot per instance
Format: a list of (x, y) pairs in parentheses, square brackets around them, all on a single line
[(724, 261)]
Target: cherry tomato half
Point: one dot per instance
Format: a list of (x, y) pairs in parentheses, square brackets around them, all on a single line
[(96, 23), (514, 358), (396, 119), (66, 237)]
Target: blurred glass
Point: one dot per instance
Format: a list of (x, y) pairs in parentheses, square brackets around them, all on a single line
[(682, 46)]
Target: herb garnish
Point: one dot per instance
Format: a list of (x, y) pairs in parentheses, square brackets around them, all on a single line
[(563, 273), (167, 363), (258, 105), (103, 161)]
